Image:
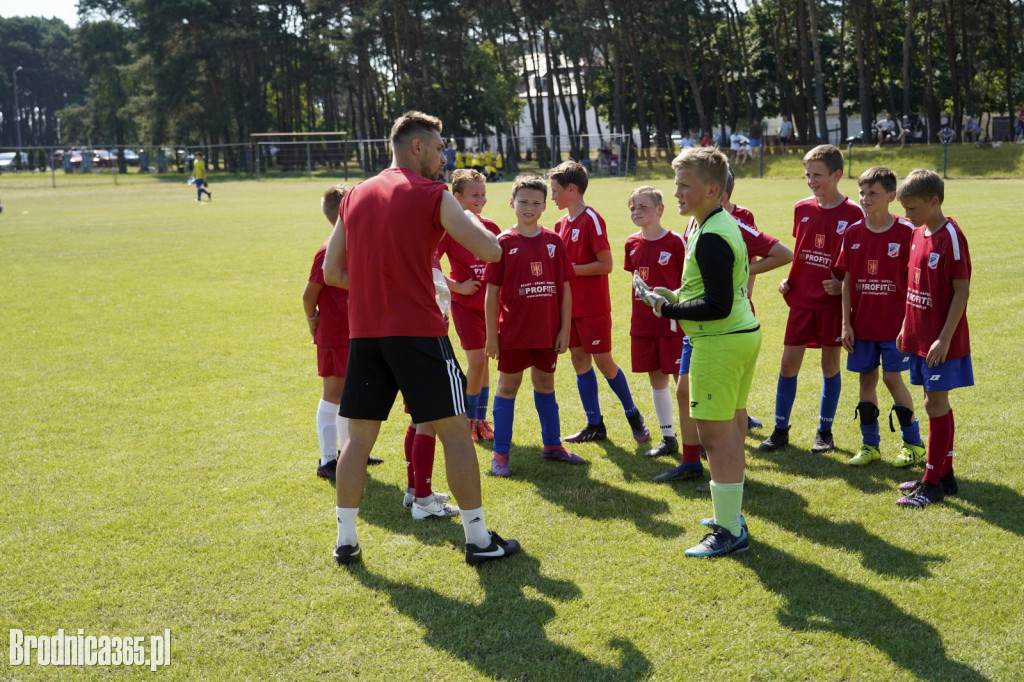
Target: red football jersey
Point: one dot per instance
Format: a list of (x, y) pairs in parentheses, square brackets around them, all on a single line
[(584, 238), (464, 266), (758, 243), (660, 264), (392, 226), (877, 263), (332, 304), (935, 261), (819, 235), (532, 274)]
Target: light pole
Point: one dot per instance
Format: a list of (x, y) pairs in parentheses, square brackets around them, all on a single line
[(17, 118)]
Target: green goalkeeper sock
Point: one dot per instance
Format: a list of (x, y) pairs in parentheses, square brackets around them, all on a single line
[(727, 501)]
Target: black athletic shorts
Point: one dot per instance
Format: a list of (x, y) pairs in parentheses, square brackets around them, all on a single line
[(423, 368)]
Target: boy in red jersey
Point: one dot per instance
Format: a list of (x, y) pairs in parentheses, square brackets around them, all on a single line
[(814, 295), (384, 243), (465, 281), (528, 308), (935, 332), (656, 344), (874, 259), (327, 314), (586, 239)]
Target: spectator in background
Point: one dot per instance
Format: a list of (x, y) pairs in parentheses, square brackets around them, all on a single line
[(706, 141), (1019, 132), (755, 132), (786, 133), (906, 130), (946, 133), (886, 130), (972, 131), (686, 142)]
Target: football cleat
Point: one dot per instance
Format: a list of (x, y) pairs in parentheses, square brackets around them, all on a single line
[(640, 431), (589, 434), (681, 473), (434, 508), (328, 471), (909, 455), (484, 430), (497, 549), (374, 461), (560, 454), (754, 423), (720, 542), (668, 446), (822, 442), (472, 431), (499, 466), (778, 439), (921, 495), (948, 483), (867, 454), (348, 554)]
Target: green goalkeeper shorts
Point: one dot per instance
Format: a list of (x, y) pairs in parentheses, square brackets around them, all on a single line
[(721, 370)]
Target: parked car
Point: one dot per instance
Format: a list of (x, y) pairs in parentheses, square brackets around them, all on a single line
[(7, 161), (101, 158), (131, 157)]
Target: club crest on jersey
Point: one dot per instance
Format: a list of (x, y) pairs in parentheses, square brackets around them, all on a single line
[(551, 250), (536, 269), (644, 272), (894, 250), (872, 267), (841, 226), (664, 257), (933, 260), (575, 234), (917, 275), (819, 241)]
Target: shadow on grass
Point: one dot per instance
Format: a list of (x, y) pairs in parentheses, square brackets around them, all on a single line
[(571, 488), (991, 502), (789, 510), (503, 636), (817, 600)]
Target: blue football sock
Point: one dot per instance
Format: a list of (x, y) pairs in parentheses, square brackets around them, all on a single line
[(870, 434), (547, 411), (831, 387), (481, 403), (471, 401), (587, 385), (621, 388), (504, 416), (912, 433), (785, 394)]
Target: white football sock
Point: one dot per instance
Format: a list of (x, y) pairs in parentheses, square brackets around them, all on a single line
[(473, 524), (347, 526), (664, 409), (327, 431), (342, 423)]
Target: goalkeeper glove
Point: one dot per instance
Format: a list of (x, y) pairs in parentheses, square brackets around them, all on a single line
[(645, 294)]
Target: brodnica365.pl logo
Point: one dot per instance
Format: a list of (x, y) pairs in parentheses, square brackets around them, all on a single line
[(81, 649)]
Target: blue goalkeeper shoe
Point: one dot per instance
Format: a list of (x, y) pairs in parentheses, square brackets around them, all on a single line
[(720, 542)]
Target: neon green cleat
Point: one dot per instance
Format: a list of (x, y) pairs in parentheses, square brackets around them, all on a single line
[(867, 454), (909, 455)]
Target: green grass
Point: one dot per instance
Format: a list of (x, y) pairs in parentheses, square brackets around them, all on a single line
[(157, 408)]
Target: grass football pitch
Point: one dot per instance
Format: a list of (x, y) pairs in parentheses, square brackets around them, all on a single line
[(158, 393)]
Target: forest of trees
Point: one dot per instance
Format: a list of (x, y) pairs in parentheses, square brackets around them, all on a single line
[(214, 71)]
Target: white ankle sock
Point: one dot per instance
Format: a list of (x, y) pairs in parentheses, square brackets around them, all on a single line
[(473, 524), (327, 431), (347, 526), (664, 409)]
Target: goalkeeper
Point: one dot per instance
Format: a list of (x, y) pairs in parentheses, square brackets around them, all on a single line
[(726, 338)]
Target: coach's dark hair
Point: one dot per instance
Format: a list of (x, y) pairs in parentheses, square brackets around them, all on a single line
[(570, 173), (529, 181), (412, 123)]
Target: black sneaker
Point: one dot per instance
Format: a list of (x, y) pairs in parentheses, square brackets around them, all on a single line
[(720, 542), (949, 484), (778, 439), (682, 472), (328, 471), (640, 432), (923, 494), (589, 434), (498, 549), (348, 554), (822, 442), (373, 461), (668, 446)]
